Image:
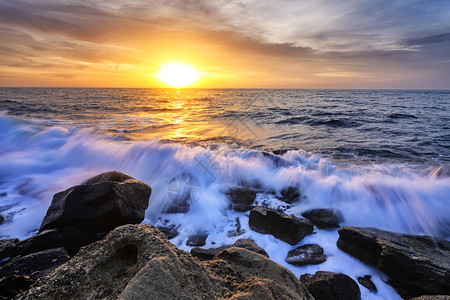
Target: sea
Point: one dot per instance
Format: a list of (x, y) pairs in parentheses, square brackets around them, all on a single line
[(382, 157)]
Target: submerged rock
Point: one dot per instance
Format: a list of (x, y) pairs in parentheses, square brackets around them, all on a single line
[(241, 243), (290, 194), (287, 228), (169, 232), (99, 205), (309, 254), (242, 198), (331, 286), (197, 240), (416, 265), (324, 217), (138, 262), (366, 282)]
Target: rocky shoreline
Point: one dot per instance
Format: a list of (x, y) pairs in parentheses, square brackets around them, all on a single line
[(89, 247)]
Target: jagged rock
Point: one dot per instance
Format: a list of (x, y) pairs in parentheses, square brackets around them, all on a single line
[(309, 254), (242, 198), (416, 265), (324, 217), (98, 205), (290, 194), (241, 243), (138, 262), (197, 240), (7, 247), (331, 286), (70, 238), (169, 232), (290, 229), (366, 282), (35, 265)]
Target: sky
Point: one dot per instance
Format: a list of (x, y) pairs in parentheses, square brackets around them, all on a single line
[(401, 44)]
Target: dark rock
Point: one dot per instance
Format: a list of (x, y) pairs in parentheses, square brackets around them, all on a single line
[(4, 194), (70, 238), (7, 247), (324, 217), (432, 297), (367, 283), (242, 198), (114, 176), (290, 194), (169, 232), (309, 254), (138, 262), (197, 240), (290, 229), (238, 231), (241, 243), (100, 206), (331, 286), (35, 265), (13, 285), (416, 265), (2, 219)]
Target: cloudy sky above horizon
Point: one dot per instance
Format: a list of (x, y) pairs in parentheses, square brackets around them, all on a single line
[(245, 44)]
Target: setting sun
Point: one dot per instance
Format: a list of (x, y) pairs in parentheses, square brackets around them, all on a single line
[(177, 74)]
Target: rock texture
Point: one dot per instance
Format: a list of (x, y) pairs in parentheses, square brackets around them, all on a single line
[(366, 282), (7, 247), (242, 198), (331, 286), (324, 217), (416, 265), (138, 262), (287, 228), (432, 297), (309, 254), (104, 202), (241, 243)]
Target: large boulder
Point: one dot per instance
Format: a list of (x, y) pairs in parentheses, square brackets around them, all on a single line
[(309, 254), (138, 262), (331, 286), (287, 228), (242, 198), (416, 265), (100, 204), (324, 217), (241, 243)]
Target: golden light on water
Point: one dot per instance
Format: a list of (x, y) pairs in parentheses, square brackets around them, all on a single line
[(178, 74)]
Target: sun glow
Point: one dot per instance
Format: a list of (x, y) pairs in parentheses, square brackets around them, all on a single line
[(178, 74)]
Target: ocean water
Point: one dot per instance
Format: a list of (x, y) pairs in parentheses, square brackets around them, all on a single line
[(380, 156)]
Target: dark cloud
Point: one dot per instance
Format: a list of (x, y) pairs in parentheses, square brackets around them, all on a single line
[(434, 39)]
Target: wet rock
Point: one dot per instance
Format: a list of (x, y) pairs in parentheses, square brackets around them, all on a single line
[(432, 297), (138, 262), (7, 247), (114, 176), (290, 229), (416, 265), (309, 254), (331, 286), (2, 219), (183, 191), (35, 265), (290, 194), (13, 285), (197, 240), (367, 283), (242, 198), (70, 238), (241, 243), (324, 217), (169, 232), (99, 206), (238, 231)]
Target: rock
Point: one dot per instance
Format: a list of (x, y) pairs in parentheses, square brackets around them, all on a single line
[(35, 265), (2, 219), (242, 198), (290, 194), (416, 265), (114, 176), (324, 217), (331, 286), (241, 243), (99, 206), (367, 283), (169, 232), (70, 238), (138, 262), (7, 247), (238, 231), (432, 297), (197, 240), (13, 285), (309, 254), (290, 229)]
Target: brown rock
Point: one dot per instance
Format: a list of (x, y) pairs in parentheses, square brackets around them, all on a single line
[(309, 254), (241, 243), (331, 286)]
